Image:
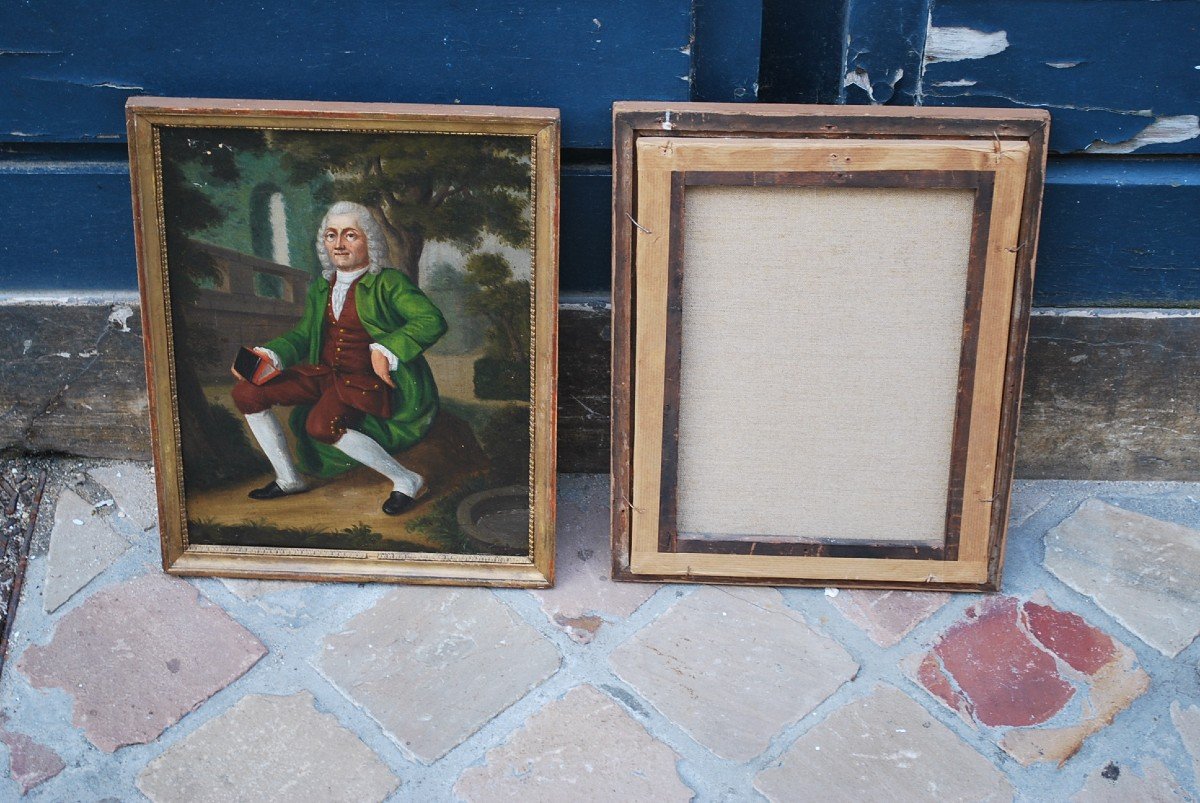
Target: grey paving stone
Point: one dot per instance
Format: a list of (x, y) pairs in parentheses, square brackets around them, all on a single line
[(583, 746), (1150, 783), (887, 616), (433, 665), (1187, 722), (250, 590), (884, 736), (81, 546), (136, 657), (1144, 572), (268, 748), (132, 486), (584, 596), (30, 763), (733, 667)]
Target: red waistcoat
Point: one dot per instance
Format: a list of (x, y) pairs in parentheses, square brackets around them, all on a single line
[(346, 360)]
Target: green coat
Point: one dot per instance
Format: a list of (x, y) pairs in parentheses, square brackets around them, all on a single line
[(398, 316)]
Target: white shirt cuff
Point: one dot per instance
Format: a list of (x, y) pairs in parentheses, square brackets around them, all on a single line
[(273, 357), (393, 360)]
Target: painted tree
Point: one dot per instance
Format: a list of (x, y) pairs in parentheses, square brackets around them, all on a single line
[(421, 187), (504, 302), (214, 445)]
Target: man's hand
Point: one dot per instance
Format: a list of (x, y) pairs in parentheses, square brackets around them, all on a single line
[(382, 368), (260, 352)]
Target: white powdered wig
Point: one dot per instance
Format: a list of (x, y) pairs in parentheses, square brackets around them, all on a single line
[(377, 247)]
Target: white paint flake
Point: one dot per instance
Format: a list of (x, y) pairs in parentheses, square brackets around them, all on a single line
[(1173, 128), (959, 82), (961, 44), (120, 316)]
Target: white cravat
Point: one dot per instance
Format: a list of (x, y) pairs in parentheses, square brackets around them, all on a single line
[(341, 287)]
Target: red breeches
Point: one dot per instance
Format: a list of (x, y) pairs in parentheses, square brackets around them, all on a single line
[(329, 417)]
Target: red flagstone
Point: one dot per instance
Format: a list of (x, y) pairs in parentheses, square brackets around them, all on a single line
[(1069, 637), (1007, 679), (1014, 666), (30, 763)]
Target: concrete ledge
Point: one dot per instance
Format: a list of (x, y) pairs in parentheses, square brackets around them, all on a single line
[(1109, 394)]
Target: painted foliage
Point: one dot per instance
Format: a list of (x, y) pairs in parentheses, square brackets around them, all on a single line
[(446, 220)]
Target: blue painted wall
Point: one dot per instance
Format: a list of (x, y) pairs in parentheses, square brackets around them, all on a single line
[(1121, 79), (1116, 75)]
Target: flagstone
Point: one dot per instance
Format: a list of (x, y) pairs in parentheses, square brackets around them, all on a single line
[(887, 616), (30, 763), (584, 596), (434, 665), (138, 656), (1012, 667), (82, 546), (584, 743), (1151, 783), (885, 735), (1142, 571), (733, 667), (1187, 722), (132, 486), (268, 748)]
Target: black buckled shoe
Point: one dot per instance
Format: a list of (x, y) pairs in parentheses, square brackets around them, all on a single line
[(398, 503), (272, 491)]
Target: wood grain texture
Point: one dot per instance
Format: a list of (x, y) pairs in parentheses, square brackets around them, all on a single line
[(1005, 142)]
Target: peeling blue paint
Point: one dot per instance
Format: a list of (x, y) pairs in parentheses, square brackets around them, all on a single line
[(1106, 69), (885, 43)]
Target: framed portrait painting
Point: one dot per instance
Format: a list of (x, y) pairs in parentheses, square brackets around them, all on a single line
[(351, 331), (820, 318)]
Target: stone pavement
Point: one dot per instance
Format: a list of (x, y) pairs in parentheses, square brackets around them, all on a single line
[(1078, 682)]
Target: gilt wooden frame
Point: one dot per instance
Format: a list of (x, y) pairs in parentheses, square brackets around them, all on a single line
[(661, 151), (146, 117)]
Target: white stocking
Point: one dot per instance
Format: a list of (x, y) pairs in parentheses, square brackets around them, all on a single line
[(372, 455), (269, 434)]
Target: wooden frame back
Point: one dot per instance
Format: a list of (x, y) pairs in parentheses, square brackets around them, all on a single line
[(659, 152)]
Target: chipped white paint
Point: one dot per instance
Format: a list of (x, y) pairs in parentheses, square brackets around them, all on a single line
[(1164, 130), (960, 44), (959, 82), (1063, 65), (120, 316), (1113, 312), (862, 79), (666, 123), (67, 298)]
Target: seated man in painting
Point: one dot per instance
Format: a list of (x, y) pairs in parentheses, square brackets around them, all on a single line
[(353, 367)]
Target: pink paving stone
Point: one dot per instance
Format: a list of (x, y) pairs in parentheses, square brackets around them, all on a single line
[(1009, 663), (138, 656), (1007, 679), (887, 616), (29, 763)]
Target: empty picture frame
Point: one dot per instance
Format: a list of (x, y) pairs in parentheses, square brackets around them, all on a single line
[(819, 318)]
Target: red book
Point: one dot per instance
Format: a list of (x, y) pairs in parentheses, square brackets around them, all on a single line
[(257, 370)]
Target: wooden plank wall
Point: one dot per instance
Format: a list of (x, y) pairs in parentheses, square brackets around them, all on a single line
[(67, 66), (1120, 78)]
